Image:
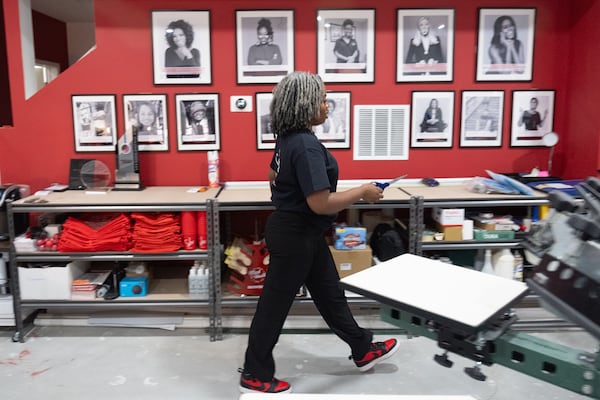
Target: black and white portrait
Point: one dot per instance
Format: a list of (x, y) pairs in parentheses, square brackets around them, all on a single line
[(198, 121), (265, 139), (505, 44), (94, 122), (346, 44), (432, 119), (481, 118), (532, 116), (148, 116), (335, 131), (265, 45), (181, 47), (425, 45)]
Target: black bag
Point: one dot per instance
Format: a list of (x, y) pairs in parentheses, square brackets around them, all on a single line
[(386, 242)]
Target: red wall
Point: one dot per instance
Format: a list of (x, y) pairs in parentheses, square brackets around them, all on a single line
[(38, 148)]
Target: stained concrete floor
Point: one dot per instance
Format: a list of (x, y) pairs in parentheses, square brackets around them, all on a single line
[(117, 363)]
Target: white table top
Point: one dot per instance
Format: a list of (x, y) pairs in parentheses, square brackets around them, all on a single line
[(461, 295), (298, 396)]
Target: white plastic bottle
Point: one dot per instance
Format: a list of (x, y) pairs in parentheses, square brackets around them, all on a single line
[(193, 287), (203, 281), (518, 267), (505, 264), (487, 268)]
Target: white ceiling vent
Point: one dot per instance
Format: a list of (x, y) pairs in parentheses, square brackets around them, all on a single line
[(381, 132)]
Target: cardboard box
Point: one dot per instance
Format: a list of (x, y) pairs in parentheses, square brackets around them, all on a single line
[(451, 233), (493, 224), (350, 238), (448, 216), (480, 234), (50, 283), (351, 261)]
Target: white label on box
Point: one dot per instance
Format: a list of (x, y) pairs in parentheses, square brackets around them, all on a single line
[(345, 266)]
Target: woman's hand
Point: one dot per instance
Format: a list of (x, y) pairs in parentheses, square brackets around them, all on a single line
[(371, 193)]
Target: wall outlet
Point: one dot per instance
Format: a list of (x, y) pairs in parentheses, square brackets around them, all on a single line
[(241, 103)]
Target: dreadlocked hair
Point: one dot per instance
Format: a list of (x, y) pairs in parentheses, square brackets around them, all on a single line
[(296, 102)]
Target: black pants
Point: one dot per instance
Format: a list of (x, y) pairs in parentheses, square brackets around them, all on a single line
[(298, 254)]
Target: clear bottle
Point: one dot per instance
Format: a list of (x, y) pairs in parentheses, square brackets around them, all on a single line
[(487, 268), (518, 267)]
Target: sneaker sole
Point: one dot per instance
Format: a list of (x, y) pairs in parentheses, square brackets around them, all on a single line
[(248, 390), (377, 360)]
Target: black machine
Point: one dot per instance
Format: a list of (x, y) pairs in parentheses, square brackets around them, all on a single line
[(10, 193)]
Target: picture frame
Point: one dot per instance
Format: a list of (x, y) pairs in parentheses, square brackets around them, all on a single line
[(94, 122), (264, 45), (265, 139), (198, 121), (482, 114), (350, 56), (532, 117), (148, 114), (497, 61), (432, 116), (185, 64), (334, 133), (425, 45)]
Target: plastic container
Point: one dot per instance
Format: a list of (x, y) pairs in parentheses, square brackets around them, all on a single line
[(198, 285), (189, 229), (201, 230), (505, 263), (518, 267), (213, 168), (488, 267)]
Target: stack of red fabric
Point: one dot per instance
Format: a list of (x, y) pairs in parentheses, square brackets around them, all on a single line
[(96, 232), (156, 232)]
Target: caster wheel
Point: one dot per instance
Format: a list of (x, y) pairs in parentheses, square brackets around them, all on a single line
[(16, 337), (475, 373)]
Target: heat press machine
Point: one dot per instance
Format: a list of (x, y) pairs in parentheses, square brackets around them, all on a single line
[(470, 313)]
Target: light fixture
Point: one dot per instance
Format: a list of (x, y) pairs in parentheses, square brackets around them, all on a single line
[(550, 139)]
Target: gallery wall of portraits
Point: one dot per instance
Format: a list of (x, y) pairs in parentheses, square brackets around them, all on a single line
[(469, 74)]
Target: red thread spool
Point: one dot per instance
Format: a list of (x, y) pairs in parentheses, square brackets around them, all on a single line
[(188, 229)]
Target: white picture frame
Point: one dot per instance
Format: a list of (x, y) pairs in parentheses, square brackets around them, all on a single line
[(94, 122), (334, 133), (190, 64), (360, 65), (429, 128), (198, 126), (265, 139), (495, 60), (148, 114), (530, 122), (429, 57), (482, 114), (269, 56)]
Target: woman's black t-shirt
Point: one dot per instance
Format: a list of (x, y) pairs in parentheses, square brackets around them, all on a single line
[(304, 166)]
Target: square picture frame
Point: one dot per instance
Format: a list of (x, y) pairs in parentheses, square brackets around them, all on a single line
[(94, 122), (265, 139), (148, 114), (497, 60), (334, 133), (532, 117), (346, 45), (189, 62), (264, 45), (482, 114), (198, 121), (432, 116), (425, 45)]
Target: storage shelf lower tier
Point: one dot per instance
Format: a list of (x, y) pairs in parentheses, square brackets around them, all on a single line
[(110, 256), (470, 244)]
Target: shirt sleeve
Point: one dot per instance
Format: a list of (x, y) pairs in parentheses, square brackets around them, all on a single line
[(311, 169)]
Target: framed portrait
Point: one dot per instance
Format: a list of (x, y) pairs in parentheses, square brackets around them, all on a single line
[(148, 114), (265, 45), (181, 52), (532, 117), (432, 119), (505, 44), (94, 122), (198, 122), (481, 118), (346, 45), (265, 139), (334, 133), (425, 45)]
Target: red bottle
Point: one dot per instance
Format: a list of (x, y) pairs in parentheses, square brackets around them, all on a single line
[(202, 237), (188, 229)]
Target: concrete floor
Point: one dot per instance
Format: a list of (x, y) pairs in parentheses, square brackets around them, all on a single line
[(141, 363)]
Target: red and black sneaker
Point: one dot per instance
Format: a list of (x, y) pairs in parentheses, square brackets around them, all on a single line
[(249, 384), (379, 351)]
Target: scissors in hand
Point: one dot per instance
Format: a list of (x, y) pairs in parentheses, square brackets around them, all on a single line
[(383, 185)]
